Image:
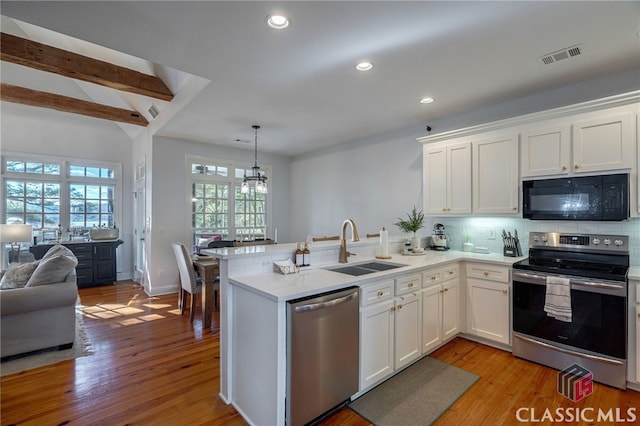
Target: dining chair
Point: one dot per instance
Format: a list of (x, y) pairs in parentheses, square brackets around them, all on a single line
[(190, 283)]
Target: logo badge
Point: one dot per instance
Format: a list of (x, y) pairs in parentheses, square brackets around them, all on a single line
[(575, 382)]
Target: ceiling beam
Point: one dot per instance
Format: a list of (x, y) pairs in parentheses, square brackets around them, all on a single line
[(51, 59), (21, 95)]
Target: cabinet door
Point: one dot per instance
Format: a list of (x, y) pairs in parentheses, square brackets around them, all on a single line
[(431, 317), (545, 152), (376, 343), (459, 178), (488, 310), (450, 309), (603, 144), (408, 342), (104, 263), (495, 175), (434, 169)]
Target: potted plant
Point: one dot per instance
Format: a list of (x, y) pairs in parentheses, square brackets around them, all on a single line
[(413, 223)]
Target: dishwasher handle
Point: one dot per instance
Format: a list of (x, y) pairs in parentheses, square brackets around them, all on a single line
[(327, 304)]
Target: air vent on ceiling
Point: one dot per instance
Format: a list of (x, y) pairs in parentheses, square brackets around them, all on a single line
[(562, 54), (153, 110)]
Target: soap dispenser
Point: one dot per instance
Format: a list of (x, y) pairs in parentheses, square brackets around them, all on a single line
[(306, 255)]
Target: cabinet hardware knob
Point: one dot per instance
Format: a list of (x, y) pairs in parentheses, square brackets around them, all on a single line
[(577, 166), (446, 289), (433, 277), (564, 168), (399, 306), (450, 272), (486, 274), (380, 293), (393, 308), (515, 208), (441, 291), (444, 209), (410, 284), (504, 290)]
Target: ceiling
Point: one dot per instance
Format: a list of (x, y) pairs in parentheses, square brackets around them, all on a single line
[(300, 84)]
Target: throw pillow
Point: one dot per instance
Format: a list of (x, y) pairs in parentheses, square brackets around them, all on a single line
[(53, 268), (17, 275), (56, 249)]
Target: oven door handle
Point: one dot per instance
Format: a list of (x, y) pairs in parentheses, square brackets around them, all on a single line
[(528, 275), (566, 351), (597, 285)]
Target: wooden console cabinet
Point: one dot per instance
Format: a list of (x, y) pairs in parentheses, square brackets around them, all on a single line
[(96, 260)]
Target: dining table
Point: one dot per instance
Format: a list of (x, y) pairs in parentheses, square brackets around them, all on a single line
[(208, 269)]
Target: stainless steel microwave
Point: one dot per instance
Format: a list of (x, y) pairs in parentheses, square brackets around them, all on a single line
[(603, 197)]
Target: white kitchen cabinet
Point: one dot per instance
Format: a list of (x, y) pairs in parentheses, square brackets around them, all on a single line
[(545, 152), (603, 144), (440, 306), (377, 348), (390, 328), (488, 302), (408, 330), (495, 175), (447, 178), (637, 354)]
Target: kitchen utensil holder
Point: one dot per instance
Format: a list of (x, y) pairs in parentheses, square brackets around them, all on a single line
[(510, 251)]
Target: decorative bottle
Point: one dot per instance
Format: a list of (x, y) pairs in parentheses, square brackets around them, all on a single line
[(306, 255)]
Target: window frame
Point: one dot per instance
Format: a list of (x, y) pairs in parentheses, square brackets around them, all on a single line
[(64, 179), (233, 183)]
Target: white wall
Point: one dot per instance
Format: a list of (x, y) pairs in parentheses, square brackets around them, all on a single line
[(47, 132), (377, 179), (170, 218)]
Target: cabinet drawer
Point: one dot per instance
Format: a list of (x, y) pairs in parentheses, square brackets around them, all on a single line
[(407, 284), (80, 248), (637, 293), (488, 272), (450, 271), (376, 293), (431, 277)]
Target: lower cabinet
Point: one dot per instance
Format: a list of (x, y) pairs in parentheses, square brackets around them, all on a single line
[(488, 302), (440, 306), (390, 328), (637, 342)]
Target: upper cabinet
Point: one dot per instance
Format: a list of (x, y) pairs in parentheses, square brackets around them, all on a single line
[(546, 152), (495, 175), (603, 144), (588, 146), (447, 178)]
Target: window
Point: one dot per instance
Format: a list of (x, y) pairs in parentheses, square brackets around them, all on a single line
[(219, 210), (75, 195)]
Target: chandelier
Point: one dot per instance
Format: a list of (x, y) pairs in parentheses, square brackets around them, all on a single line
[(259, 178)]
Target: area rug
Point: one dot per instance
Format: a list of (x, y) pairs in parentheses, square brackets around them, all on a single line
[(416, 396), (81, 347)]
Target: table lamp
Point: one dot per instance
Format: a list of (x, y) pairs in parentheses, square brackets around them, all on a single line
[(15, 234)]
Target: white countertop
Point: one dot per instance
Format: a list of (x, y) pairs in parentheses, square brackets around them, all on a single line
[(634, 273), (316, 280)]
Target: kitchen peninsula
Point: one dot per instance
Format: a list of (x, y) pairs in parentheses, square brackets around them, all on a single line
[(253, 309)]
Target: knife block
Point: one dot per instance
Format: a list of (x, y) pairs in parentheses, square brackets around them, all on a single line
[(510, 252)]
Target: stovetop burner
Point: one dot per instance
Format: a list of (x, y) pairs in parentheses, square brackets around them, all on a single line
[(580, 269)]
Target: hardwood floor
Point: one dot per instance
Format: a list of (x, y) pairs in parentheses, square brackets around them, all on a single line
[(153, 367)]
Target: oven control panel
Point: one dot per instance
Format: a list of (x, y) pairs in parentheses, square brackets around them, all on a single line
[(580, 242)]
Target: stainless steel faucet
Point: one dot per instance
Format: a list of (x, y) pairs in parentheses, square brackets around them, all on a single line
[(344, 254)]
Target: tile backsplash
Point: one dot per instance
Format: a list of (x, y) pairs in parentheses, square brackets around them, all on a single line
[(487, 231)]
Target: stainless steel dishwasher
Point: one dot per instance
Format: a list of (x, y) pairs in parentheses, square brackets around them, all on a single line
[(322, 353)]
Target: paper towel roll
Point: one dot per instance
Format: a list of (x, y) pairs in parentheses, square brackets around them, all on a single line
[(383, 248)]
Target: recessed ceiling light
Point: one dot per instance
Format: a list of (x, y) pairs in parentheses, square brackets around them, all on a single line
[(426, 100), (364, 66), (277, 21)]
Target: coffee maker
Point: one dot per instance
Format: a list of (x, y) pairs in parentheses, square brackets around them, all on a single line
[(439, 240)]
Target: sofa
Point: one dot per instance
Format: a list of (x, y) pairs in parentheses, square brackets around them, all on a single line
[(38, 304)]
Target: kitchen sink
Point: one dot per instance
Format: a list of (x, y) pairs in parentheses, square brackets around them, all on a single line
[(364, 268)]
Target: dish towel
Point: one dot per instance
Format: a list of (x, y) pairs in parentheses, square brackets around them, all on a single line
[(557, 302)]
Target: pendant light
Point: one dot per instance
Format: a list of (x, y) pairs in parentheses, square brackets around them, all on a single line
[(259, 178)]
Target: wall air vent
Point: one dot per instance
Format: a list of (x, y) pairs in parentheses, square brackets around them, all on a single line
[(559, 55), (153, 110)]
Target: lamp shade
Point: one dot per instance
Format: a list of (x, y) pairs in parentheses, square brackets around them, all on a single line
[(15, 233)]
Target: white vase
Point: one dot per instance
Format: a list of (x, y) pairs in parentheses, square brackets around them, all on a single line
[(415, 243)]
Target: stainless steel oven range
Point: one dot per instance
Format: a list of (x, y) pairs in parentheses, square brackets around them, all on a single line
[(570, 303)]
